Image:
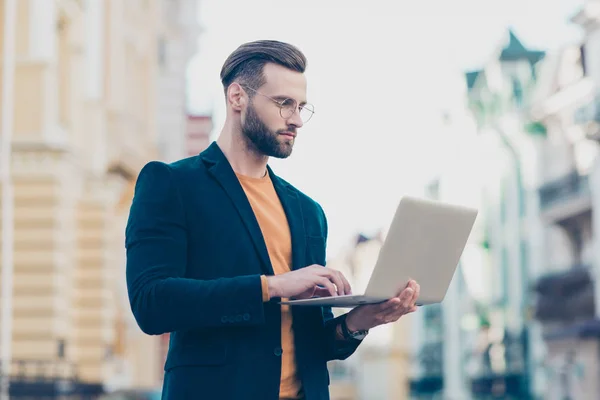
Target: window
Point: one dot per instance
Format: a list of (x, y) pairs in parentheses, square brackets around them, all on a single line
[(582, 59), (517, 92), (505, 275)]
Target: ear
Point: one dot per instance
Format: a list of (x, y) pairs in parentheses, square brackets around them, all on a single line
[(236, 97)]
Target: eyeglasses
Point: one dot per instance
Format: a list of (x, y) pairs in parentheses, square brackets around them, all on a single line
[(287, 107)]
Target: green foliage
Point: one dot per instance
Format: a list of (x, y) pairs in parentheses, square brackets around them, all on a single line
[(536, 128)]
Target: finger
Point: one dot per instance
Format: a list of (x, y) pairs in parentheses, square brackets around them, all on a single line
[(393, 315), (417, 290), (341, 283), (347, 288), (408, 298), (322, 274), (398, 306), (389, 305), (408, 285), (334, 277), (321, 292), (326, 284), (389, 316)]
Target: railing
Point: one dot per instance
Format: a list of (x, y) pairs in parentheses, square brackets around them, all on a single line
[(568, 187), (427, 387), (498, 386), (49, 379), (565, 296), (588, 118), (589, 112)]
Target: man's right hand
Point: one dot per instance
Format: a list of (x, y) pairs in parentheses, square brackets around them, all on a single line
[(311, 281)]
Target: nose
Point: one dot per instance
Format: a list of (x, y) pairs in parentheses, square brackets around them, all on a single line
[(295, 119)]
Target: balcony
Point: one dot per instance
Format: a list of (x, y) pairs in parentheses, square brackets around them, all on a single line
[(49, 379), (499, 386), (431, 364), (565, 297), (566, 305), (426, 386), (565, 198), (588, 118)]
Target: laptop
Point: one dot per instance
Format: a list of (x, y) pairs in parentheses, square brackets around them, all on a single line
[(425, 242)]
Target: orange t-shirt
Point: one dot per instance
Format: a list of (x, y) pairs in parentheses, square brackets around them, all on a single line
[(276, 232)]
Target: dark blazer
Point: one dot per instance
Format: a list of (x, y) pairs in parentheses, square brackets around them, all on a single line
[(195, 254)]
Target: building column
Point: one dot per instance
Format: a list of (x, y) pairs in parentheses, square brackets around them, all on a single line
[(42, 60), (594, 182), (96, 152), (454, 385), (42, 30)]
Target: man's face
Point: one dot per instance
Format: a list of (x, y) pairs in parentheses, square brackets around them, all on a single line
[(265, 130)]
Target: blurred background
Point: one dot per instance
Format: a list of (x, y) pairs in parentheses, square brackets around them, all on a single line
[(492, 104)]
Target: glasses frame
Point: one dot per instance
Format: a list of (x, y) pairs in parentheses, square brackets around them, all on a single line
[(280, 104)]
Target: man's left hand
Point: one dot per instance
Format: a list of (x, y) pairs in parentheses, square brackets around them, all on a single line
[(369, 316)]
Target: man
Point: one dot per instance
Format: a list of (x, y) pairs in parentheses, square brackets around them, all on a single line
[(215, 241)]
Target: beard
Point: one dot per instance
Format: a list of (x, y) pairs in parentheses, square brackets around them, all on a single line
[(263, 140)]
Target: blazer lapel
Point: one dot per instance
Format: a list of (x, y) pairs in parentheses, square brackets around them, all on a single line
[(219, 167), (293, 210)]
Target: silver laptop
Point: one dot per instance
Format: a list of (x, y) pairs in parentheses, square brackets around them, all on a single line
[(425, 242)]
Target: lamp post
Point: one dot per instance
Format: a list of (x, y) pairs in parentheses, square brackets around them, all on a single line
[(8, 78)]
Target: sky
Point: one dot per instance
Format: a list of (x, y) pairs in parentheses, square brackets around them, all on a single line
[(380, 74)]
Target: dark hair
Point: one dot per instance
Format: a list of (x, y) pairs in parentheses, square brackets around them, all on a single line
[(246, 63)]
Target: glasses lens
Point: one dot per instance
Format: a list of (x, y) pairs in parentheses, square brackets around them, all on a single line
[(288, 106), (306, 112)]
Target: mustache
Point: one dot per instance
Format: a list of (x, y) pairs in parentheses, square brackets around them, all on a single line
[(291, 129)]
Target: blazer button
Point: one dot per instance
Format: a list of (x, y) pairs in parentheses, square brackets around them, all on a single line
[(278, 351), (246, 317), (224, 319)]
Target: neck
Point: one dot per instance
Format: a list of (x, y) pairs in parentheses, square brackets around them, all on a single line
[(243, 159)]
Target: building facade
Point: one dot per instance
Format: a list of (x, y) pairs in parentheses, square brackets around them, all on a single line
[(499, 96), (566, 290), (177, 43), (450, 339), (85, 101), (379, 369), (198, 134), (482, 341)]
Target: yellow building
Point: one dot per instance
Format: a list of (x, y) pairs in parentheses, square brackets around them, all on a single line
[(85, 104)]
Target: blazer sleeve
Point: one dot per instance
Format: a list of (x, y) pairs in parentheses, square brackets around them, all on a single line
[(337, 348), (161, 298)]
